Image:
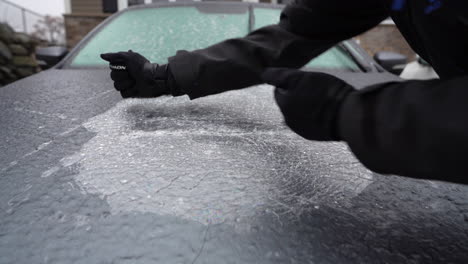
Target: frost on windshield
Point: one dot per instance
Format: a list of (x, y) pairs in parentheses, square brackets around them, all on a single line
[(158, 33), (217, 159)]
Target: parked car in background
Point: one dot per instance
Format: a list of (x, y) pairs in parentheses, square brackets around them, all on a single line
[(397, 64), (88, 177), (419, 70)]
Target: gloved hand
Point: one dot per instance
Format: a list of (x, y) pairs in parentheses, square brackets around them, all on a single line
[(138, 77), (309, 101)]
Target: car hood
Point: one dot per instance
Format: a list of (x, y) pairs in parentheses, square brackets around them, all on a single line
[(39, 108), (89, 177)]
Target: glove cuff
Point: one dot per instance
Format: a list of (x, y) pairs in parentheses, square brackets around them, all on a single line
[(340, 98), (159, 78), (174, 89), (164, 80)]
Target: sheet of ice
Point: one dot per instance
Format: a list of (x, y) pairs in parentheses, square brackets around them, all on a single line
[(217, 159)]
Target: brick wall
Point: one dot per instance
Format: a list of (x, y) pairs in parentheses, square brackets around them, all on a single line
[(78, 25), (385, 37), (86, 6)]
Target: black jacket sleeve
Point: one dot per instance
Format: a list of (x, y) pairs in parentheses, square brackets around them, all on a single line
[(306, 29), (414, 128)]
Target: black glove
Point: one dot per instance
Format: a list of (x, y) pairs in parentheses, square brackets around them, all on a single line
[(135, 76), (309, 101)]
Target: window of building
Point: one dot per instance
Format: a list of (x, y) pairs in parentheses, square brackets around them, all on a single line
[(135, 2)]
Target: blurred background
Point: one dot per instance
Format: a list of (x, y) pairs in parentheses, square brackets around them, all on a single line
[(41, 19), (26, 25), (65, 22)]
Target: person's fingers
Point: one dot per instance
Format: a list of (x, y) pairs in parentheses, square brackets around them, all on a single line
[(270, 75), (281, 98), (281, 77), (128, 93), (118, 76), (124, 85), (115, 57)]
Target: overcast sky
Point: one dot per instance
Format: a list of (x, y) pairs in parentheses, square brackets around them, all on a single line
[(13, 17), (44, 7)]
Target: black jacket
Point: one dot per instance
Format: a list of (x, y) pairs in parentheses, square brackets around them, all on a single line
[(414, 128)]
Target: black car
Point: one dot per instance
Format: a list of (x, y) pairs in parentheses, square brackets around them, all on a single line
[(88, 177)]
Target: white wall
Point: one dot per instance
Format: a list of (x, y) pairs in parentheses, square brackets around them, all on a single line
[(67, 4), (122, 4)]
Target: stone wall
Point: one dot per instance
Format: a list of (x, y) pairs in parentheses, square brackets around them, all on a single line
[(17, 58), (385, 37), (78, 25)]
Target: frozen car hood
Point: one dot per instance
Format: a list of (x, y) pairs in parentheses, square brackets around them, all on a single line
[(216, 159), (88, 177)]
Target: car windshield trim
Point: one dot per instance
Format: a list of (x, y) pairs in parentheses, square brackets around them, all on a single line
[(362, 59)]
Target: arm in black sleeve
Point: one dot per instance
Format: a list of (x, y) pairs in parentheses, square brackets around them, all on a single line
[(306, 29), (415, 128)]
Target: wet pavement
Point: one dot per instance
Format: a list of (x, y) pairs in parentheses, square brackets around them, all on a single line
[(89, 178)]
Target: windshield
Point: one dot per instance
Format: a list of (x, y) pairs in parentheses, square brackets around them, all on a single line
[(158, 33)]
